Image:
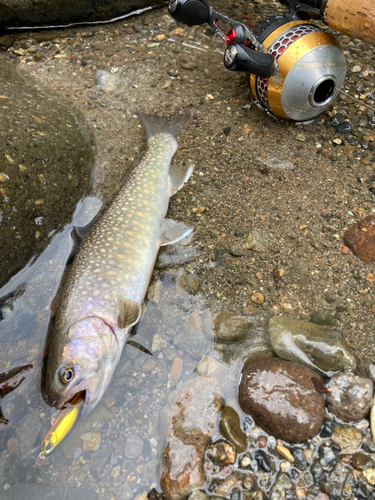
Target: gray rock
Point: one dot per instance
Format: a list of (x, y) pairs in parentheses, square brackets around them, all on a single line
[(37, 12), (99, 458), (191, 342), (349, 397), (30, 433), (77, 452), (230, 327), (312, 345), (46, 156), (126, 492), (133, 446)]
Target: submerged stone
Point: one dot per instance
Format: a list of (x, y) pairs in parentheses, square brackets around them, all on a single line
[(190, 417), (312, 345), (349, 397), (285, 399), (230, 428), (347, 437), (230, 327)]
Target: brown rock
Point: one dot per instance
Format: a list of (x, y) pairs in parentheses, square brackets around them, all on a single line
[(360, 238), (284, 398), (190, 416), (12, 445)]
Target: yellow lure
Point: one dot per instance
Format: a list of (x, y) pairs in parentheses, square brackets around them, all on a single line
[(61, 427)]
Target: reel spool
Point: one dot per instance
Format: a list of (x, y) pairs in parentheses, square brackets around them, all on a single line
[(311, 71), (294, 69)]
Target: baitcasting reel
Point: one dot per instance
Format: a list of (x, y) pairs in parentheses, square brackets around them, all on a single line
[(294, 69)]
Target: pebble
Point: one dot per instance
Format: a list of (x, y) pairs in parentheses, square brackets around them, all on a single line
[(230, 327), (285, 453), (282, 397), (344, 128), (108, 82), (255, 242), (91, 441), (262, 442), (221, 453), (176, 370), (349, 397), (12, 445), (356, 69), (230, 428), (262, 460), (369, 476), (347, 437), (360, 239), (258, 298), (133, 446), (77, 452)]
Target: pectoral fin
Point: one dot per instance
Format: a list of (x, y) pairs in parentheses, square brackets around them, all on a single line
[(178, 176), (172, 231), (139, 346), (129, 312)]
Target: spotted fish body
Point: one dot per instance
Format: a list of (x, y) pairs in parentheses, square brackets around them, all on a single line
[(101, 295)]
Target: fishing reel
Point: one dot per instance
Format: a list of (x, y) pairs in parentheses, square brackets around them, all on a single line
[(294, 69)]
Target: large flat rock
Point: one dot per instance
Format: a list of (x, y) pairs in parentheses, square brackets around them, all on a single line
[(45, 163)]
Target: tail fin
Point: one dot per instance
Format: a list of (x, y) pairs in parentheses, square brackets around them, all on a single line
[(154, 125)]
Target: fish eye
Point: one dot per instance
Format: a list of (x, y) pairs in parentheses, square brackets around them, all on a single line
[(66, 374)]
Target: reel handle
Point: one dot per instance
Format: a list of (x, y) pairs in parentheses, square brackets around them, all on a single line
[(237, 57), (190, 12)]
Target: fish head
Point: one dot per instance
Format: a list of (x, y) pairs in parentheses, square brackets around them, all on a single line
[(78, 362)]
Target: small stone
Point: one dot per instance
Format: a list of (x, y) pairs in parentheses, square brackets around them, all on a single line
[(258, 298), (221, 453), (360, 238), (262, 460), (262, 442), (347, 437), (349, 397), (255, 242), (230, 327), (91, 441), (133, 446), (345, 250), (230, 428), (344, 128), (356, 69), (285, 453), (12, 445), (189, 65), (109, 83), (158, 343), (176, 370), (77, 452), (361, 461), (6, 41), (369, 476)]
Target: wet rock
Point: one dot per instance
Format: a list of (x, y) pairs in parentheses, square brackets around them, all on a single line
[(347, 437), (262, 460), (327, 428), (91, 441), (100, 458), (198, 495), (188, 282), (189, 415), (369, 476), (133, 446), (337, 478), (191, 342), (30, 433), (360, 238), (46, 155), (349, 397), (208, 366), (230, 428), (282, 484), (109, 83), (37, 12), (221, 453), (312, 345), (361, 461), (255, 242), (285, 399), (323, 317), (6, 41), (230, 327)]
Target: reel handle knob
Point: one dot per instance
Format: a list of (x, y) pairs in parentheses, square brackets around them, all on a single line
[(237, 57), (190, 12)]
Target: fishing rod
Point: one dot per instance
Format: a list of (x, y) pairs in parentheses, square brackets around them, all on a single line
[(294, 69)]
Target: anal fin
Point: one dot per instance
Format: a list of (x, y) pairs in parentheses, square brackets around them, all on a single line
[(129, 312), (178, 176), (172, 231)]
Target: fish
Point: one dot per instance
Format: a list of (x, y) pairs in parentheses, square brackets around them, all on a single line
[(99, 299), (61, 426)]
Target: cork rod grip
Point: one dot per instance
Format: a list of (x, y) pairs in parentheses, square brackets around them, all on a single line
[(352, 17)]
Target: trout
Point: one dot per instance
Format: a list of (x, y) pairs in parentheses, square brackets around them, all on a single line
[(101, 293)]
